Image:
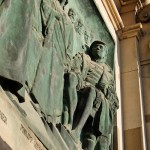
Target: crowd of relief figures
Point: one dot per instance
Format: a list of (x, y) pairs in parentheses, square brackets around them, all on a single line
[(62, 55)]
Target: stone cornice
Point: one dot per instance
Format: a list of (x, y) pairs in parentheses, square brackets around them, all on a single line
[(127, 2), (145, 62), (123, 32), (113, 14), (131, 31)]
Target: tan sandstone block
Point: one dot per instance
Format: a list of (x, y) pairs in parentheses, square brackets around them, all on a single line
[(146, 92), (128, 54), (132, 139), (128, 18), (148, 134), (131, 100)]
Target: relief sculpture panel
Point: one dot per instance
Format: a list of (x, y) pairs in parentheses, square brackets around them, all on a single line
[(61, 54)]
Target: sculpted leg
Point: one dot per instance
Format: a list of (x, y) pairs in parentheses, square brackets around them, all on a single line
[(72, 96), (90, 142), (104, 142), (91, 94)]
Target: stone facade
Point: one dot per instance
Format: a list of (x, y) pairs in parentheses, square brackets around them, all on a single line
[(134, 58)]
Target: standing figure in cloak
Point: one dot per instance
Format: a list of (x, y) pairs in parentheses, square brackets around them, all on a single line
[(58, 35), (15, 29)]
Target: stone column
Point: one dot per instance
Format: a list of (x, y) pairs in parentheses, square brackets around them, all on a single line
[(132, 95)]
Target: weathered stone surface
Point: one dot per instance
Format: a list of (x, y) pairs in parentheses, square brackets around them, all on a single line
[(16, 133), (130, 83), (20, 130)]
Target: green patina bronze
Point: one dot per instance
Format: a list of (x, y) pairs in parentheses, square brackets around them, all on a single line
[(92, 101), (62, 54)]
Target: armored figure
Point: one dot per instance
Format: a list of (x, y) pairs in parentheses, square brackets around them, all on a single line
[(92, 98)]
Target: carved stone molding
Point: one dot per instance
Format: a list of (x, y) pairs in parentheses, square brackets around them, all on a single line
[(145, 62), (113, 14), (126, 2), (131, 31)]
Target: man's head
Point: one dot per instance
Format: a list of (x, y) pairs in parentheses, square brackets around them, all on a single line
[(73, 15), (86, 37), (79, 26), (98, 50)]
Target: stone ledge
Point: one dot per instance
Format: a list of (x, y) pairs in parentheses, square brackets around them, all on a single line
[(113, 14), (131, 31), (26, 131)]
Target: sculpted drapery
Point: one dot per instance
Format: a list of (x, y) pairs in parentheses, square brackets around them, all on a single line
[(38, 43)]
